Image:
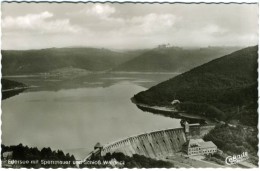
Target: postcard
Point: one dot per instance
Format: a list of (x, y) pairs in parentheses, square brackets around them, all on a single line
[(132, 84)]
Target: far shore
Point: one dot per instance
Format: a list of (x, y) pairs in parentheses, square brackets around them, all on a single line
[(49, 74)]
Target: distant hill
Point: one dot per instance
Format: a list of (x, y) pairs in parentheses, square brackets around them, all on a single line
[(224, 89), (173, 59), (15, 62)]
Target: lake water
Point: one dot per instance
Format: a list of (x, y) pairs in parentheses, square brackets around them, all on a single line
[(74, 115)]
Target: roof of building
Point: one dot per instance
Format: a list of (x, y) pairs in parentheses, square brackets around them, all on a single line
[(200, 143), (194, 124), (208, 144), (175, 101), (194, 142)]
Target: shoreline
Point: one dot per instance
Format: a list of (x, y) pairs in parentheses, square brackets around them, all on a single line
[(15, 89), (169, 112)]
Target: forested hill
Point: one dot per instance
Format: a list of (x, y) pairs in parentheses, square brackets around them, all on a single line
[(224, 89), (16, 62), (173, 59)]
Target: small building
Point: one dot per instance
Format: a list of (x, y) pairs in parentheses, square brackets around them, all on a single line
[(97, 150), (164, 46), (200, 147), (222, 122), (8, 155), (175, 102), (98, 146)]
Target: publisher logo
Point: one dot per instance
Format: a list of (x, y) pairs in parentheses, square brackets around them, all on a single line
[(230, 160)]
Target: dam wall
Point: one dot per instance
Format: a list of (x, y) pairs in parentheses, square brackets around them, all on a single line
[(156, 144)]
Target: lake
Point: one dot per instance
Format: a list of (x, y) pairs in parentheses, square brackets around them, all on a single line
[(73, 115)]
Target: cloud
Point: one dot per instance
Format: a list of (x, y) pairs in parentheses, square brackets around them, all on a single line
[(101, 15), (129, 25), (152, 23), (105, 18), (39, 22), (214, 30), (99, 10)]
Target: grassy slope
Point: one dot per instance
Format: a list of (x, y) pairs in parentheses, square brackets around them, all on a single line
[(228, 83)]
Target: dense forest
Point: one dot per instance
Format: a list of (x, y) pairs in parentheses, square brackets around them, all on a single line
[(136, 161), (11, 88), (235, 140), (173, 59), (9, 84), (23, 153), (223, 89)]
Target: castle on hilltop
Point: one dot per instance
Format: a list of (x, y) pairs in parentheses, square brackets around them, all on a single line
[(163, 46)]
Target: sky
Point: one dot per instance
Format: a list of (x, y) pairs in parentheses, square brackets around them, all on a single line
[(127, 26)]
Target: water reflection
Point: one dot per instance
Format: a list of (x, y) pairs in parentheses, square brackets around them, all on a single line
[(74, 119), (91, 80)]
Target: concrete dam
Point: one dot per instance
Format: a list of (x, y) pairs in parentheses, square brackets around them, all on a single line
[(156, 144)]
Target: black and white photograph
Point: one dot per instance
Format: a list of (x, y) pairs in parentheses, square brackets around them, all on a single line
[(129, 84)]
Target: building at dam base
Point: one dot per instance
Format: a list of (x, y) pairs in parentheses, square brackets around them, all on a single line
[(199, 147), (157, 144)]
